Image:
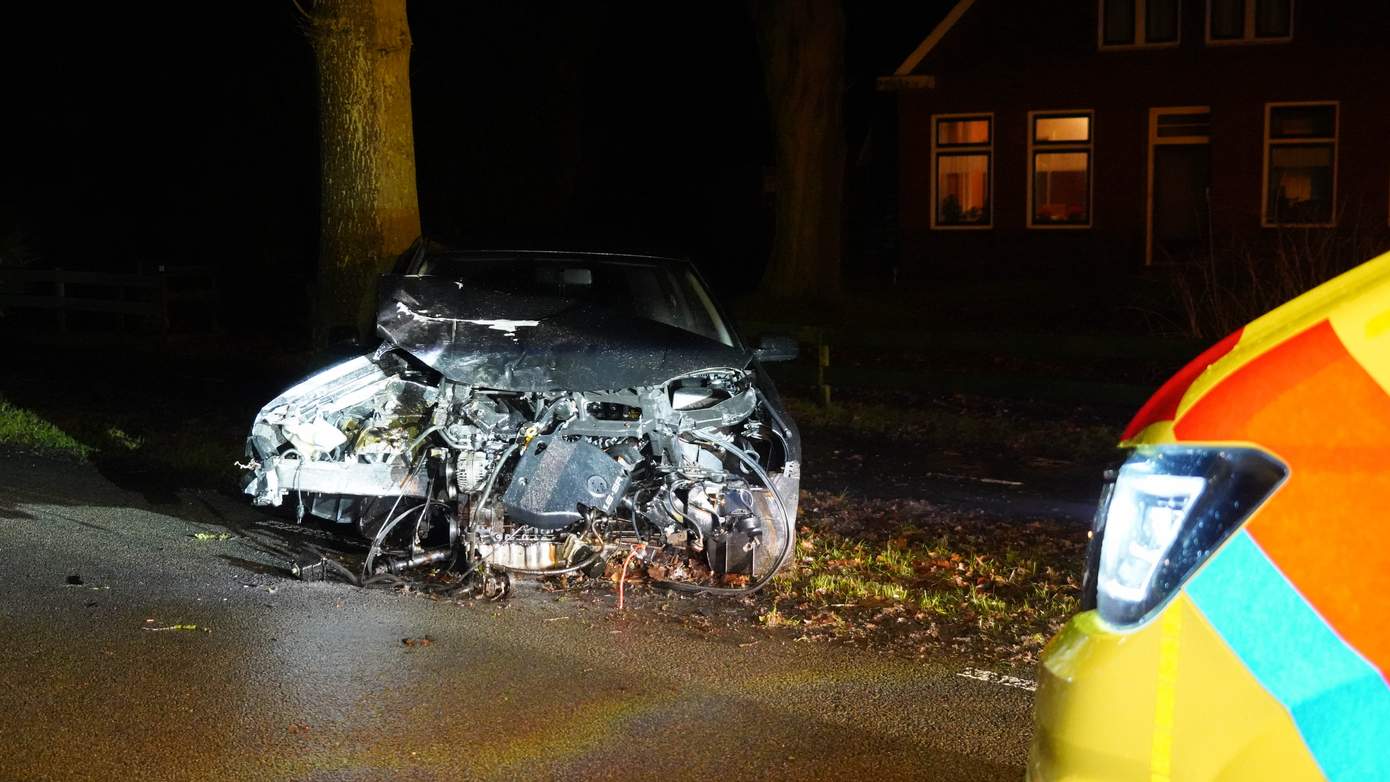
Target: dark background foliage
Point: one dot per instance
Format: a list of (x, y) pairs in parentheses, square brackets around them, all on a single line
[(143, 135)]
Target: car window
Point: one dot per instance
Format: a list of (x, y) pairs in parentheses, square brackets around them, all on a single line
[(651, 291)]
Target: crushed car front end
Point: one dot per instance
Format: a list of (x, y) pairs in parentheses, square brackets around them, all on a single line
[(519, 420)]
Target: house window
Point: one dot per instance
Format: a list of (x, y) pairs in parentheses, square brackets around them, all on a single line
[(962, 156), (1126, 23), (1249, 21), (1300, 164), (1059, 165)]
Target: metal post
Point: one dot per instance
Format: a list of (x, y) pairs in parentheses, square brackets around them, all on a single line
[(163, 307), (822, 364), (60, 290)]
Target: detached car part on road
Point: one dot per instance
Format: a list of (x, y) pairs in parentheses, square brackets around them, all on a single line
[(536, 412), (1239, 565)]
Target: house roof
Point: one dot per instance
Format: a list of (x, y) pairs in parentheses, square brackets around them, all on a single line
[(930, 42)]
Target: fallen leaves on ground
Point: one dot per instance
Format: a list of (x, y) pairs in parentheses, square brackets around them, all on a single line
[(415, 643), (916, 576)]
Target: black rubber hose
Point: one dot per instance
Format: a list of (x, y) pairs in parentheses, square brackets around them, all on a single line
[(335, 566)]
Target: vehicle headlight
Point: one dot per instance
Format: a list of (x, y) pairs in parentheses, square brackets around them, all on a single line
[(1167, 510)]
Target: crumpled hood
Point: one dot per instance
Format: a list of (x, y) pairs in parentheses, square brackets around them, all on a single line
[(537, 343)]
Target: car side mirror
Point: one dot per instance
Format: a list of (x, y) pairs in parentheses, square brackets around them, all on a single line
[(776, 348)]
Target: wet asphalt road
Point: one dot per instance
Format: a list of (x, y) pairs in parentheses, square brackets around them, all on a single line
[(312, 681)]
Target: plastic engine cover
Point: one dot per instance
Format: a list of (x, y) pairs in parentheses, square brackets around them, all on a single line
[(555, 477)]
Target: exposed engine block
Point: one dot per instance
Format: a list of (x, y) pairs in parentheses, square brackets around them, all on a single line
[(534, 482)]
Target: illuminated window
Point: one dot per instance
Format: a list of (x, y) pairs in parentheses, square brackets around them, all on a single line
[(1138, 23), (962, 157), (1248, 21), (1059, 165), (1300, 164)]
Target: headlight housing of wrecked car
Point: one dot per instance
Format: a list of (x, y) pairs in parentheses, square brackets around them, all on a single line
[(1166, 510)]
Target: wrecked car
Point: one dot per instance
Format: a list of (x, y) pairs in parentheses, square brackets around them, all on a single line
[(537, 413)]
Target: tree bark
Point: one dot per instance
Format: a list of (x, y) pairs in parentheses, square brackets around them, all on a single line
[(802, 47), (369, 210)]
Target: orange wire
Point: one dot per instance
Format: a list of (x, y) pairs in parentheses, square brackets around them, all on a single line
[(622, 577)]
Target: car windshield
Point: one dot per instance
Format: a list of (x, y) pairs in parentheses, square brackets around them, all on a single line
[(665, 293)]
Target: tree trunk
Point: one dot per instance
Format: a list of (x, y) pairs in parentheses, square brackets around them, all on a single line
[(369, 210), (802, 47)]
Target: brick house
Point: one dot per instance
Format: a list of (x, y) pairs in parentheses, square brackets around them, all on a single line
[(1109, 134)]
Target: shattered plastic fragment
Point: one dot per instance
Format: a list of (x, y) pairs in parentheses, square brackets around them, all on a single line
[(314, 437), (505, 326)]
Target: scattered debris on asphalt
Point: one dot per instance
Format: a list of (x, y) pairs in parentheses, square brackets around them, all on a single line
[(901, 576), (76, 581), (1003, 680), (412, 643), (212, 536), (180, 627)]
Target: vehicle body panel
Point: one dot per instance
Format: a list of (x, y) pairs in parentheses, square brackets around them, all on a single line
[(534, 343), (1271, 661), (1167, 701)]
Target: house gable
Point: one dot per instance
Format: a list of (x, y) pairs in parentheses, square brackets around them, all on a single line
[(909, 66)]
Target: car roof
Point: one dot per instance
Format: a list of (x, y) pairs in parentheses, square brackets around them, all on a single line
[(425, 246), (531, 253)]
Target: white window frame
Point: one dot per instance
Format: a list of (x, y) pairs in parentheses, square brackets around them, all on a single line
[(1141, 17), (1248, 37), (937, 150), (1269, 143), (1154, 142), (1089, 147)]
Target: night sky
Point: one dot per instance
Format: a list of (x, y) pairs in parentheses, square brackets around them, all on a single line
[(149, 134)]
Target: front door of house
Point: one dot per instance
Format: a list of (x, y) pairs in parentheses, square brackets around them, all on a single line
[(1179, 183)]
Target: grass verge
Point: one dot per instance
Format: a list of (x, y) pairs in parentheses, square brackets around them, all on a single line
[(21, 428), (192, 451), (911, 575), (933, 426)]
